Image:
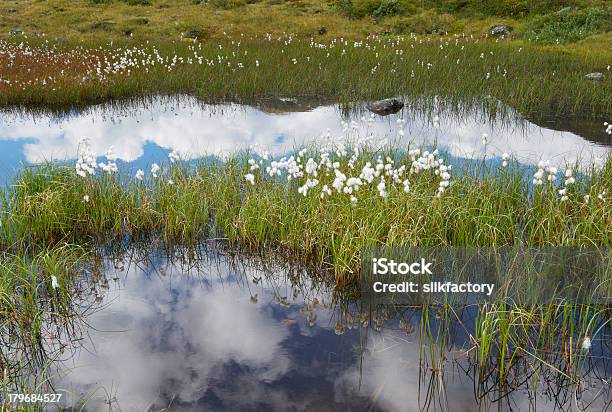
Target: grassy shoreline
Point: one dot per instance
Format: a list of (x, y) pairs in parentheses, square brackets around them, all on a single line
[(56, 222), (425, 70)]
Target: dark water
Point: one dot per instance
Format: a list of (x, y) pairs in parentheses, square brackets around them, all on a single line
[(235, 335), (146, 131)]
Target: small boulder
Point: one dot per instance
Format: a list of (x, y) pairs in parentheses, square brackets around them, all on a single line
[(193, 34), (594, 76), (322, 30), (500, 30), (386, 106)]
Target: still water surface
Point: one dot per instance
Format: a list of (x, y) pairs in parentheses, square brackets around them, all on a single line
[(143, 132), (157, 333), (227, 334)]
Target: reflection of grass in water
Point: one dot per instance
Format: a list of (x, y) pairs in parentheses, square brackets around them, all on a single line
[(35, 317), (502, 346), (453, 70)]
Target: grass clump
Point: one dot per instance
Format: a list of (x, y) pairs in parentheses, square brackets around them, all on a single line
[(569, 26), (327, 217)]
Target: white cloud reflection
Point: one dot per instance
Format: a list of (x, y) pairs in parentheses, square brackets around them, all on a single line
[(196, 130), (201, 343), (161, 339)]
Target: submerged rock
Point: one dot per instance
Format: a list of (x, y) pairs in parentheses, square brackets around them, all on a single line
[(386, 106), (594, 76), (500, 30)]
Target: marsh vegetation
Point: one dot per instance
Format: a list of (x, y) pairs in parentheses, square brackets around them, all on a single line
[(427, 70), (251, 257)]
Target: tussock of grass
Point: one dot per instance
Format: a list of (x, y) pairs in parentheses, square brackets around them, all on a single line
[(570, 25), (26, 290), (495, 207)]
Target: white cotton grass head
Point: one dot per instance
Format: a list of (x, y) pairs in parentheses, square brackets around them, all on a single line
[(54, 282), (586, 343), (505, 158), (539, 175), (86, 162), (155, 169), (110, 166), (110, 154), (139, 174), (86, 198), (602, 196), (406, 184), (174, 156)]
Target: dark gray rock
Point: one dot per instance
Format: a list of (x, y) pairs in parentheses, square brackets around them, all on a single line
[(194, 34), (500, 30), (594, 76), (386, 106)]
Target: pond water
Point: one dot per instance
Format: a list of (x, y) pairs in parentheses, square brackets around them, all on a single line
[(227, 334), (142, 132), (223, 335)]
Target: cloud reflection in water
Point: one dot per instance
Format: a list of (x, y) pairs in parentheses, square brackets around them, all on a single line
[(197, 130)]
